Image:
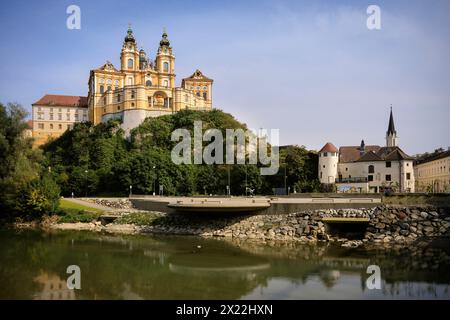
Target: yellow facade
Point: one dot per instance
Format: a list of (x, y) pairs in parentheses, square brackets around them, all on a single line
[(54, 114), (143, 87), (433, 175)]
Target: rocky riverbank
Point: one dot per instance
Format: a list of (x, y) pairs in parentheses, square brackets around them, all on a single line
[(387, 224), (119, 203)]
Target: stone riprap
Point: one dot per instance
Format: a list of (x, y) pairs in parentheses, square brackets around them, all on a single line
[(119, 203), (387, 224)]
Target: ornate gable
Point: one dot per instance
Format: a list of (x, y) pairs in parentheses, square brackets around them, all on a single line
[(108, 66)]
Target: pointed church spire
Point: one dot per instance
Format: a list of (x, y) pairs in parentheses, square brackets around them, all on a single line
[(391, 127), (391, 134)]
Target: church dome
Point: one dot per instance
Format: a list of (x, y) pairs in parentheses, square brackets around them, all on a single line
[(129, 37), (164, 41)]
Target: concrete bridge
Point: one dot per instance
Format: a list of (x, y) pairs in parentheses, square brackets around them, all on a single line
[(261, 205)]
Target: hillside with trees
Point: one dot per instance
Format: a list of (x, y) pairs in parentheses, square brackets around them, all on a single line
[(98, 160)]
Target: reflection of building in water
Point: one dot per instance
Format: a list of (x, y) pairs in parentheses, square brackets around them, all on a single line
[(54, 288), (158, 257), (330, 277)]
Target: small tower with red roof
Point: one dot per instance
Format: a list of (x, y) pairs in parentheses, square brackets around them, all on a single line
[(328, 163)]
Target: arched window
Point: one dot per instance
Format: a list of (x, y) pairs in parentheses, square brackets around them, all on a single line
[(148, 83), (371, 169), (166, 67), (102, 89), (118, 97), (204, 95), (130, 63), (166, 83)]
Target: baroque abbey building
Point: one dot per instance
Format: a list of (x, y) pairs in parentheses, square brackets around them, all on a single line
[(140, 88), (144, 87)]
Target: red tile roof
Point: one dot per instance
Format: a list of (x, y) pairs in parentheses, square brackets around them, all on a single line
[(352, 153), (63, 101), (30, 124), (329, 147)]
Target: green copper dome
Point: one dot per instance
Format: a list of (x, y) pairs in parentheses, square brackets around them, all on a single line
[(129, 37), (164, 41)]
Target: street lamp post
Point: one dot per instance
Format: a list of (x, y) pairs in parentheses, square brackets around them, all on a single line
[(86, 186), (246, 185), (229, 182), (131, 191), (154, 182)]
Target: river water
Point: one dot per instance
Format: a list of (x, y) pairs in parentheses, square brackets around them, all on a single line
[(33, 265)]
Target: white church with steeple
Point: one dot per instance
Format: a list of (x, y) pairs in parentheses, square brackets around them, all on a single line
[(368, 168)]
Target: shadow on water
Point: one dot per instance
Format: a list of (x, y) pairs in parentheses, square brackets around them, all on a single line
[(185, 267)]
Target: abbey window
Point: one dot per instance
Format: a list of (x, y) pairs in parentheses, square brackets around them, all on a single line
[(130, 63)]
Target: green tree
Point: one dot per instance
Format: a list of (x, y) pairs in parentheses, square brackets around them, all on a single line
[(25, 189)]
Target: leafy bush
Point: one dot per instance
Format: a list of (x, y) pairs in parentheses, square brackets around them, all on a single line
[(75, 215), (137, 218), (39, 197)]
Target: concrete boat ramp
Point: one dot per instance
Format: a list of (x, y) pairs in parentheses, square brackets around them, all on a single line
[(260, 205), (220, 205)]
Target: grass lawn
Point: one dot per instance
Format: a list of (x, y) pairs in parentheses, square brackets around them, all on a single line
[(65, 204), (74, 212)]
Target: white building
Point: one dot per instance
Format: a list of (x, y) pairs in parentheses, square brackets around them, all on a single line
[(368, 168)]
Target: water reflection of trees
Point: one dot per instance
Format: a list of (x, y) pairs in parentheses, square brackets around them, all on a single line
[(135, 267)]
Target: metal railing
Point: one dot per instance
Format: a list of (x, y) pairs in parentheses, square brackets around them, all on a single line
[(352, 180)]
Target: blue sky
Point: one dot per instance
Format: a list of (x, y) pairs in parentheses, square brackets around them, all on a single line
[(309, 68)]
